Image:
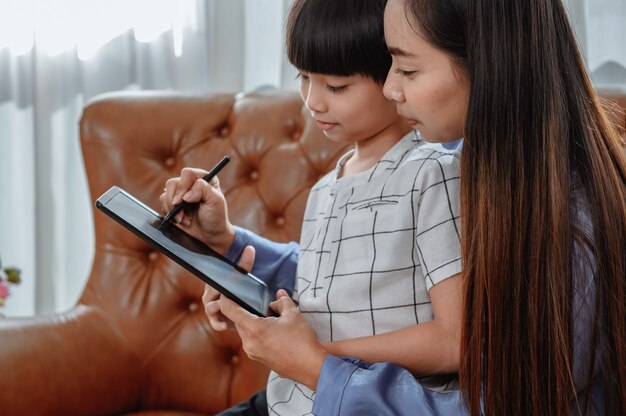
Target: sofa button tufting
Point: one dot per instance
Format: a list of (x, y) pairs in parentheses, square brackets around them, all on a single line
[(153, 256), (296, 135), (280, 221), (235, 360), (193, 306), (169, 162), (254, 175), (224, 131)]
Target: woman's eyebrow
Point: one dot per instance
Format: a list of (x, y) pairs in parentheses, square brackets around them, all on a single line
[(395, 51)]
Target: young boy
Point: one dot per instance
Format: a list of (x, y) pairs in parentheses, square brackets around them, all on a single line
[(379, 255)]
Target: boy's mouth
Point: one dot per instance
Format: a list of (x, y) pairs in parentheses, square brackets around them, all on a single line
[(324, 125)]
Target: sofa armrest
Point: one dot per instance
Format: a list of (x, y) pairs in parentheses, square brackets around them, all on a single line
[(71, 363)]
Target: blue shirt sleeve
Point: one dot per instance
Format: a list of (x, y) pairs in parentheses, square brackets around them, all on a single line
[(275, 263), (351, 387)]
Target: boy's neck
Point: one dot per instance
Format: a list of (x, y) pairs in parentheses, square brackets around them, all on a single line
[(368, 152)]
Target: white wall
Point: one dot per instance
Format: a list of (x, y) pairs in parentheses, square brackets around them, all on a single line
[(600, 27)]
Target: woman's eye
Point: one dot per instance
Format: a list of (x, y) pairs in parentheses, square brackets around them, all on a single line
[(302, 77), (336, 90), (403, 73)]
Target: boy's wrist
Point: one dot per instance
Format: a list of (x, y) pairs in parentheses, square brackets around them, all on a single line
[(222, 242)]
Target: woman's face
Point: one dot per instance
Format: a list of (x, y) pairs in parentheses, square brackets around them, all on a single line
[(430, 92)]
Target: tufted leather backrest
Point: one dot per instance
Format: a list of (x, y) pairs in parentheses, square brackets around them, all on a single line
[(139, 140)]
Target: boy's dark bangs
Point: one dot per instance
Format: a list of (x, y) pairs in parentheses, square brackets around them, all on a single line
[(325, 52), (342, 49)]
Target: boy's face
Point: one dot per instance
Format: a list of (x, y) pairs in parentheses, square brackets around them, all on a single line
[(429, 91), (347, 109)]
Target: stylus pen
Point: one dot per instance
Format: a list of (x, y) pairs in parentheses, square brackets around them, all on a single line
[(216, 169)]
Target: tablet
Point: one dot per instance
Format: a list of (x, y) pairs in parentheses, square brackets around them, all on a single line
[(211, 267)]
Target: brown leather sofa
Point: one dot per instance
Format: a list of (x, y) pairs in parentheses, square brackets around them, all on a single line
[(138, 341)]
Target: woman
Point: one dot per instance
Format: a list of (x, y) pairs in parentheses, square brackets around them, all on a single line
[(543, 199)]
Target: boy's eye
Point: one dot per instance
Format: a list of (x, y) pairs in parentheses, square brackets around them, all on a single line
[(302, 77), (403, 73), (336, 90)]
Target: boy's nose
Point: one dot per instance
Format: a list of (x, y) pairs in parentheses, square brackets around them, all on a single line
[(314, 105), (314, 101)]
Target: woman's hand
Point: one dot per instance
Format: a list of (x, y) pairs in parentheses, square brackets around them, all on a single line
[(208, 220), (286, 344), (211, 296)]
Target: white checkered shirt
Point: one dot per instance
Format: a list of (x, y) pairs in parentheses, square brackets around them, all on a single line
[(371, 247)]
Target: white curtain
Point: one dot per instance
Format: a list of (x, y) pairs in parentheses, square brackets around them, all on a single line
[(55, 55), (247, 45)]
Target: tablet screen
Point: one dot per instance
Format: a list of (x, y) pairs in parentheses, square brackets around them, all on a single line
[(201, 260)]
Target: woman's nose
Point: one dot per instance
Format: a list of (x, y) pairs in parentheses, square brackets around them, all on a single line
[(392, 88)]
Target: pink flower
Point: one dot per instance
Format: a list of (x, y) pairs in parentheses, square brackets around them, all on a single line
[(4, 292)]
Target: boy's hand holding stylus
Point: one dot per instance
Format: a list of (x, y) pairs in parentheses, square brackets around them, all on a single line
[(208, 220)]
